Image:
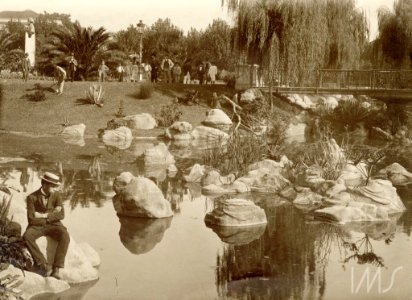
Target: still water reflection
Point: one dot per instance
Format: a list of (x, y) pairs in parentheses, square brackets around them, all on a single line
[(292, 257)]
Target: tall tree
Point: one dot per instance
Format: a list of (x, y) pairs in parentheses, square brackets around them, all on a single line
[(85, 43), (297, 37), (10, 53), (393, 46), (164, 39)]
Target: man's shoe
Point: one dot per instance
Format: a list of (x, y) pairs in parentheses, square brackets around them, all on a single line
[(44, 270), (56, 273)]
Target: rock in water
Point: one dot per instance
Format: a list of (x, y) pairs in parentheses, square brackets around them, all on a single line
[(236, 212), (139, 197)]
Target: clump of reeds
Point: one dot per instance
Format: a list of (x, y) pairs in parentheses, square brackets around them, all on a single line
[(240, 151)]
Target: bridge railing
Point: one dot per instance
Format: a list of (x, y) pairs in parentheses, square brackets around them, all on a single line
[(375, 79), (351, 79)]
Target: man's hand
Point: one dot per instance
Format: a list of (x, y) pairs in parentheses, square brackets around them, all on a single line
[(57, 209), (40, 215)]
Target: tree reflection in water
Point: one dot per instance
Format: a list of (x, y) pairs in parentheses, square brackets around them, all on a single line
[(82, 187), (290, 259), (280, 265)]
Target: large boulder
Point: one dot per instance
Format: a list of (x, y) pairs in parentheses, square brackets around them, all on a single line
[(139, 197), (236, 212), (33, 284), (210, 134), (158, 155), (304, 102), (397, 174), (270, 164), (140, 121), (73, 130), (214, 177), (382, 193), (196, 173), (179, 131), (142, 235), (352, 212), (218, 119), (310, 177), (79, 266), (74, 134), (307, 198), (264, 180), (353, 175), (120, 138)]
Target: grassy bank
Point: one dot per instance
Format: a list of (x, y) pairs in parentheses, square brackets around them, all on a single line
[(18, 113)]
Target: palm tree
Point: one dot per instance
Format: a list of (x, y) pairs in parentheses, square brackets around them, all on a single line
[(10, 55), (85, 43)]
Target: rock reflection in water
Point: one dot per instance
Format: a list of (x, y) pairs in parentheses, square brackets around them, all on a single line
[(289, 260), (238, 235), (140, 235)]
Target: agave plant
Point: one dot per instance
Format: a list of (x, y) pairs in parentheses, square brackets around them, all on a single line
[(95, 95)]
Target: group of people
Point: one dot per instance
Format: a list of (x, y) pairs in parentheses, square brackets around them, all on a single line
[(170, 72)]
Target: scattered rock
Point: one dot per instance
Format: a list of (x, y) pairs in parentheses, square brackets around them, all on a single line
[(158, 155), (196, 174), (397, 174), (139, 197), (353, 212), (250, 95), (288, 193), (307, 198), (140, 121), (120, 138), (74, 130), (236, 212), (217, 118), (179, 131)]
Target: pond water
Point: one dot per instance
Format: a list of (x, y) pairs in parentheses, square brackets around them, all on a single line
[(292, 257)]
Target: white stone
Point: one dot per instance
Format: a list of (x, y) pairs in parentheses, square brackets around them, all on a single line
[(120, 137), (92, 256), (397, 174), (74, 130), (250, 95), (140, 197), (158, 155), (209, 133), (217, 117), (236, 212), (179, 131), (196, 173), (353, 175), (141, 121), (34, 284)]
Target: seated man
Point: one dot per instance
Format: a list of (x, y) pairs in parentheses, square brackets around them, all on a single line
[(44, 212)]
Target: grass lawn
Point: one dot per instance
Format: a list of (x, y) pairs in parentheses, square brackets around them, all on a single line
[(19, 114)]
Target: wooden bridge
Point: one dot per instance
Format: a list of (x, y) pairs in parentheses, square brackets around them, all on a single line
[(386, 85)]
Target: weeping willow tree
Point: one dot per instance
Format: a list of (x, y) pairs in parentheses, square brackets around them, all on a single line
[(294, 38), (393, 46)]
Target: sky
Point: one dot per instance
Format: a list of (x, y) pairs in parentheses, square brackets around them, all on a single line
[(115, 15)]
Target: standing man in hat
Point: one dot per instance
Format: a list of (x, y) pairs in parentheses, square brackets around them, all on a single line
[(45, 212)]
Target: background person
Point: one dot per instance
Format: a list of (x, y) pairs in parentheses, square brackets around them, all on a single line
[(72, 67), (25, 65), (167, 66), (102, 71), (45, 212), (60, 76)]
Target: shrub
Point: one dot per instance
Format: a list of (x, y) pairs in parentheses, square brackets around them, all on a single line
[(145, 90), (325, 153), (95, 95), (168, 114), (37, 96), (239, 152)]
